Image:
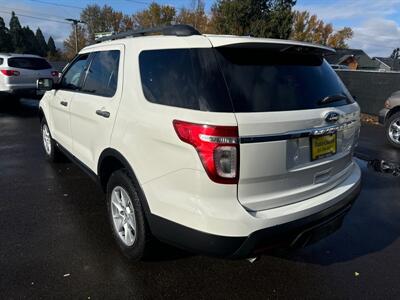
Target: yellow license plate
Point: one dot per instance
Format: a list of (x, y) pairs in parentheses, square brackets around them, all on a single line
[(323, 146)]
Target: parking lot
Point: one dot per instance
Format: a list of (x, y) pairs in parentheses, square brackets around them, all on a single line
[(55, 239)]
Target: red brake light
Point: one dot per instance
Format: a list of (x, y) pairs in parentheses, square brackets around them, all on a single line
[(54, 73), (10, 72), (217, 146)]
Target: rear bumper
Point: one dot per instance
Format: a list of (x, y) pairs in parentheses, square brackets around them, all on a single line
[(383, 115), (299, 232)]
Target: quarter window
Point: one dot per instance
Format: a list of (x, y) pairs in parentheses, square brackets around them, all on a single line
[(102, 76), (187, 78)]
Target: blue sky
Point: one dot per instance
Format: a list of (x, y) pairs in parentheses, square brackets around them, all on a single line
[(376, 23)]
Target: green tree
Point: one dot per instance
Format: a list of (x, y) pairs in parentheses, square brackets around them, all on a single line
[(16, 34), (281, 19), (104, 19), (42, 45), (308, 28), (5, 38), (260, 18), (53, 53), (155, 15), (30, 44)]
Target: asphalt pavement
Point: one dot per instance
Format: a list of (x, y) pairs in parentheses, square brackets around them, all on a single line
[(55, 240)]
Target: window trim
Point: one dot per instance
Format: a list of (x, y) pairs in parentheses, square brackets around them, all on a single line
[(82, 81)]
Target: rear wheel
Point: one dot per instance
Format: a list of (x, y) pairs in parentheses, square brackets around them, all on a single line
[(126, 216), (392, 129)]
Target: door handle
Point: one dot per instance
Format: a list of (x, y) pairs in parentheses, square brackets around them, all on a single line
[(64, 103), (103, 113)]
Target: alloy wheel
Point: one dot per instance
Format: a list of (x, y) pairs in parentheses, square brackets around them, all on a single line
[(46, 139), (123, 215), (394, 131)]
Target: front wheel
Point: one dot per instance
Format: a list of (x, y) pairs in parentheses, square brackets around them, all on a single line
[(392, 129), (126, 216), (50, 149)]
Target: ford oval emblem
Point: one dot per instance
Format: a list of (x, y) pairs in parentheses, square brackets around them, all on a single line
[(332, 117)]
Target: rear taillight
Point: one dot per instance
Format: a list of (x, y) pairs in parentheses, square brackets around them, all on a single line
[(10, 72), (217, 146), (54, 73)]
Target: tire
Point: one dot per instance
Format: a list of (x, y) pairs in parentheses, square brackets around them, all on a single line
[(129, 215), (51, 151), (392, 130)]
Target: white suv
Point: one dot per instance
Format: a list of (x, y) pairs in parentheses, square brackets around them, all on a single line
[(222, 145)]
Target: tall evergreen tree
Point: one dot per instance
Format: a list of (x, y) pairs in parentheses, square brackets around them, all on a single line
[(16, 33), (42, 45), (51, 46), (5, 38), (30, 45), (260, 18)]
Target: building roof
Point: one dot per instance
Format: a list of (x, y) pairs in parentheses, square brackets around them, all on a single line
[(393, 64), (364, 61)]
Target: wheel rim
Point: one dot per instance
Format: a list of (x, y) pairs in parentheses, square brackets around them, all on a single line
[(46, 139), (394, 131), (123, 215)]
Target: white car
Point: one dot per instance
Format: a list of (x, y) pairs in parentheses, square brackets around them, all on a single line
[(19, 73), (223, 145)]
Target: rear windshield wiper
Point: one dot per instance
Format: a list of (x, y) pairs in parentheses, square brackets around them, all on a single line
[(333, 98)]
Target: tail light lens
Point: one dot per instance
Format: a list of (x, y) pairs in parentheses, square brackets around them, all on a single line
[(10, 72), (54, 73), (217, 146)]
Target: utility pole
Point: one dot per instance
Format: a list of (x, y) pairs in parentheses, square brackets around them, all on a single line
[(75, 23)]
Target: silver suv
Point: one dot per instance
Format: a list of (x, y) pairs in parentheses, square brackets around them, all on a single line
[(19, 73)]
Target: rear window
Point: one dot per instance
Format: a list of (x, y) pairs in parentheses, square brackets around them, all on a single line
[(238, 79), (261, 80), (30, 63), (187, 78)]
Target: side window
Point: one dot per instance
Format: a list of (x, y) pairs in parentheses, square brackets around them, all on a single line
[(102, 76), (72, 78), (1, 61)]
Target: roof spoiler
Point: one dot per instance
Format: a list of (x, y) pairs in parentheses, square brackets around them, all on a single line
[(271, 44)]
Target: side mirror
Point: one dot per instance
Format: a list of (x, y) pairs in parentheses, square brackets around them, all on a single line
[(45, 84)]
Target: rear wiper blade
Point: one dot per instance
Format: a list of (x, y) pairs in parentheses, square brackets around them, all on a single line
[(332, 98)]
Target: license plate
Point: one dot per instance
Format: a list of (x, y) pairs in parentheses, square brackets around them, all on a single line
[(323, 146)]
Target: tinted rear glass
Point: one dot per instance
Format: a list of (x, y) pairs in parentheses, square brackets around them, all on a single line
[(187, 78), (238, 79), (30, 63), (261, 80)]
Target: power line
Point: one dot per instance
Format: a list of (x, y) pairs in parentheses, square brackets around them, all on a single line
[(30, 11), (34, 17), (57, 4)]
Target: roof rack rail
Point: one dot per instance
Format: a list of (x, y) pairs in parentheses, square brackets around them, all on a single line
[(177, 30)]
